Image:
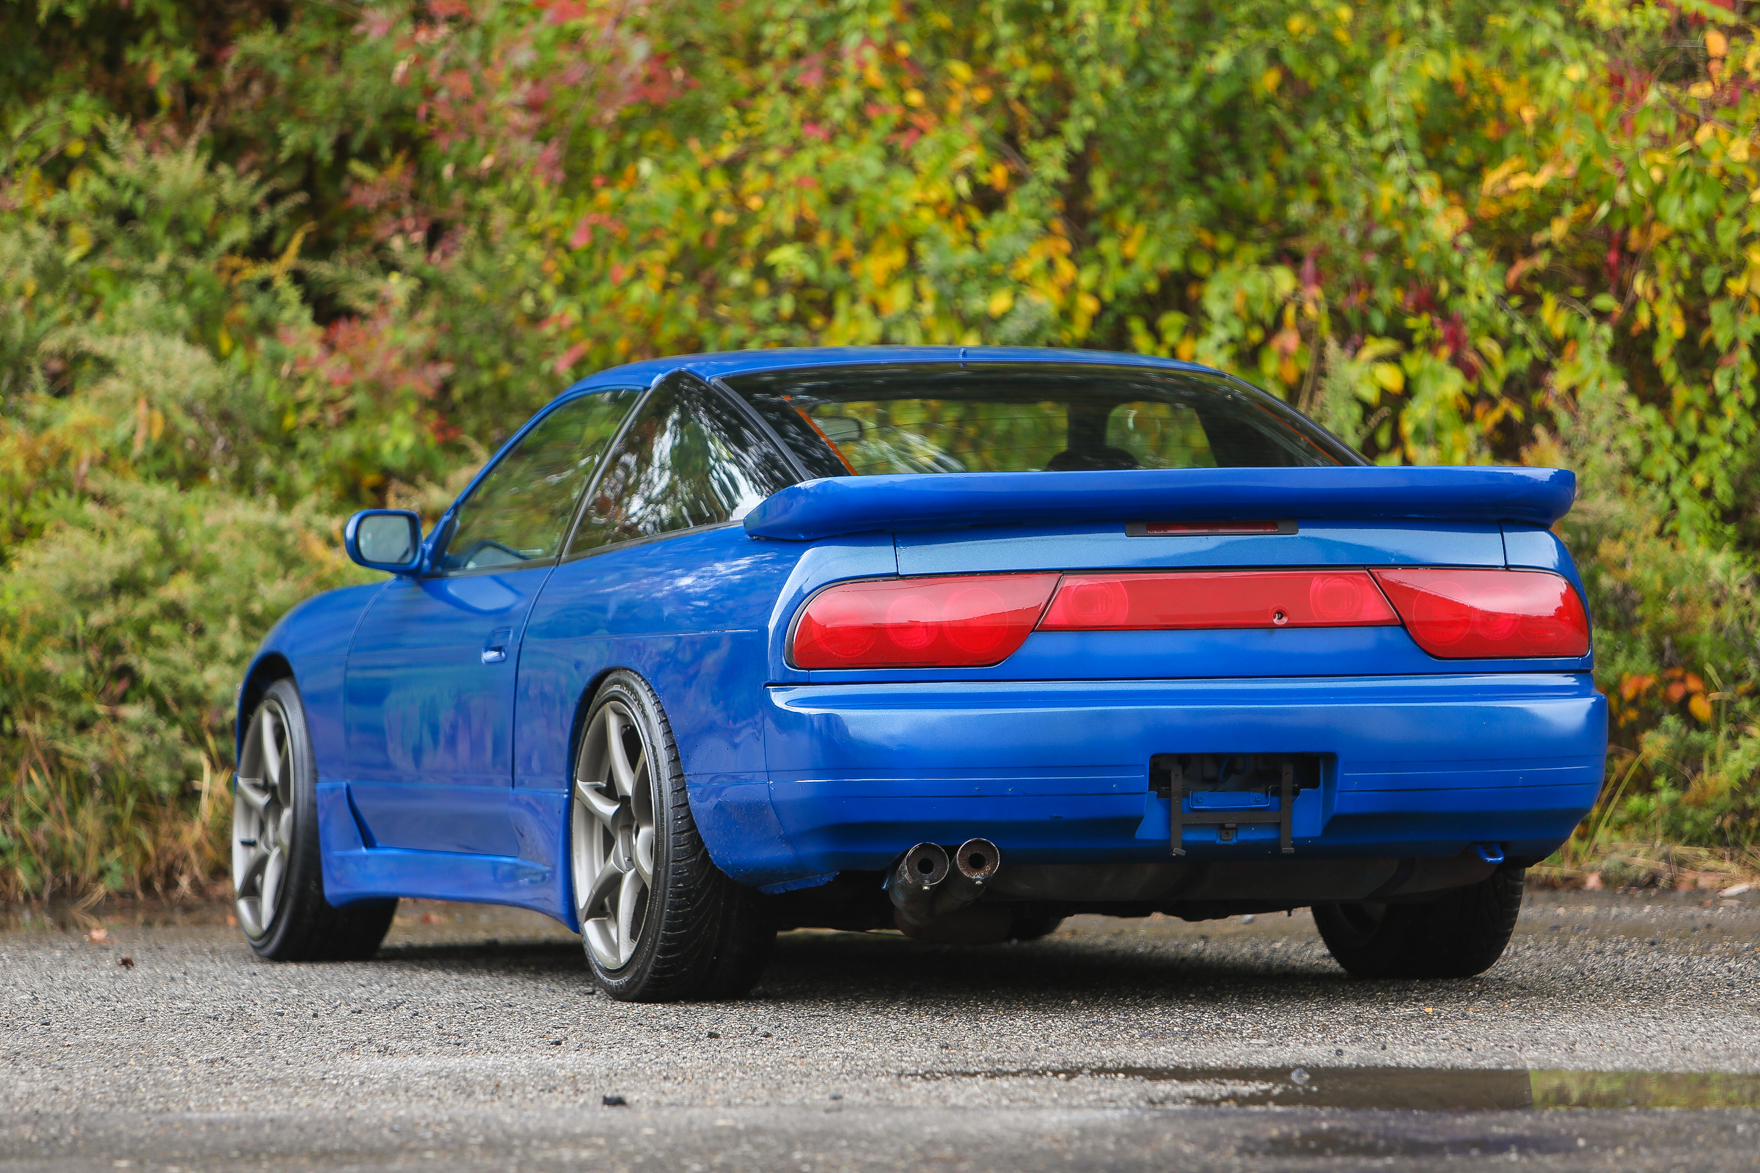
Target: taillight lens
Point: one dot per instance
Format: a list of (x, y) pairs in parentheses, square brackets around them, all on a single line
[(1222, 599), (966, 621), (1477, 614)]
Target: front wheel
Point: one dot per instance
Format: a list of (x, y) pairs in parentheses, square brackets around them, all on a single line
[(277, 872), (1459, 934), (660, 922)]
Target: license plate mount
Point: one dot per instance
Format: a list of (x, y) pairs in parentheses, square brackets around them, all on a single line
[(1228, 791)]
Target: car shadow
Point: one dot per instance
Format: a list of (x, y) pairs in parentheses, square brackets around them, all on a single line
[(820, 967)]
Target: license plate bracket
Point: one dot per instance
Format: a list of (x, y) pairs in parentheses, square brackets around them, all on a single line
[(1228, 791)]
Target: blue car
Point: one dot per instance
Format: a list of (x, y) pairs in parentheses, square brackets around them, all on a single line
[(952, 641)]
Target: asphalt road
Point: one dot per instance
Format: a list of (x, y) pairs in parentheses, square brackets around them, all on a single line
[(475, 1041)]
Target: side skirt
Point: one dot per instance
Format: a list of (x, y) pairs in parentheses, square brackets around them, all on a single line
[(354, 870)]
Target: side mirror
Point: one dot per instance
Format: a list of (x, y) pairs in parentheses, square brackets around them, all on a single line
[(385, 539)]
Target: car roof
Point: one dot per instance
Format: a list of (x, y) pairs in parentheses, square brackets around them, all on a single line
[(747, 362)]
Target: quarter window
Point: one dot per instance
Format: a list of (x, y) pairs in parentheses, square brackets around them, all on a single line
[(689, 458), (519, 513)]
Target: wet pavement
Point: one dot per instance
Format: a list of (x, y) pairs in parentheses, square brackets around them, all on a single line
[(1618, 1033)]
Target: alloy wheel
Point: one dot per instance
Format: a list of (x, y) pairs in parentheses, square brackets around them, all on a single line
[(262, 821), (612, 849)]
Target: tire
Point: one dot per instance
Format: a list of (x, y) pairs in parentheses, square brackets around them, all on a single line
[(1459, 934), (659, 921), (277, 871)]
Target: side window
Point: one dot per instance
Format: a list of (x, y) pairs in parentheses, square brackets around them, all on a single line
[(689, 458), (519, 513)]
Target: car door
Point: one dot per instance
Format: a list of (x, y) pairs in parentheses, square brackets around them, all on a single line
[(660, 579), (428, 693)]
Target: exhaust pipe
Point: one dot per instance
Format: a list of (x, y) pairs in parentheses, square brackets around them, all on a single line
[(912, 883), (975, 862)]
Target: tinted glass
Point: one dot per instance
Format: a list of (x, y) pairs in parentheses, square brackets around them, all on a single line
[(519, 513), (1020, 418), (689, 458)]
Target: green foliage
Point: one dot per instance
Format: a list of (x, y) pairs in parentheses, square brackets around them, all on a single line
[(261, 263)]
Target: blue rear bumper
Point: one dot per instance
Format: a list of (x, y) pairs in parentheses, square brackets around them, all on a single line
[(1058, 773)]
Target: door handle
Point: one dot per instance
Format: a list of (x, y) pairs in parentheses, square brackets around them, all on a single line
[(495, 647)]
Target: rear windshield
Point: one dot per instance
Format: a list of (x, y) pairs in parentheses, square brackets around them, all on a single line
[(1015, 418)]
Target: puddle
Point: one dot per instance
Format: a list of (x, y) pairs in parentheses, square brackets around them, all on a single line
[(1415, 1088)]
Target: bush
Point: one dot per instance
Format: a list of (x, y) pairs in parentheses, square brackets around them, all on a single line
[(325, 256)]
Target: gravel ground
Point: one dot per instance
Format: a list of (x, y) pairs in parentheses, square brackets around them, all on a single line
[(475, 1040)]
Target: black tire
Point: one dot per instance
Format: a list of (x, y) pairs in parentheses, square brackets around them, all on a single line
[(1459, 934), (701, 935), (279, 771)]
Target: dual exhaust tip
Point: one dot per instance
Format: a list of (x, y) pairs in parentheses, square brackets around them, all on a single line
[(929, 882)]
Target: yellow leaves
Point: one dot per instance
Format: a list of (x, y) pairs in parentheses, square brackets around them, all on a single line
[(1297, 25), (1705, 131), (1134, 242), (75, 148), (1388, 376), (1492, 183), (1701, 90), (1271, 79), (914, 98), (1716, 44), (959, 71), (1700, 708), (982, 94), (755, 203), (1186, 349), (1739, 149), (1001, 302), (79, 241), (149, 425)]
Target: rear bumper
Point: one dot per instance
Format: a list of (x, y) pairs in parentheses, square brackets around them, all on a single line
[(1058, 773)]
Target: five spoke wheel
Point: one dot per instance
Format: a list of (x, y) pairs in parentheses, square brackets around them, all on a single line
[(262, 820), (613, 840)]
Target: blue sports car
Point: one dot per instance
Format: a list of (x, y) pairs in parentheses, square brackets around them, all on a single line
[(952, 641)]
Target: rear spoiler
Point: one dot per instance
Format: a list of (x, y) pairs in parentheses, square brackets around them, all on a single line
[(846, 505)]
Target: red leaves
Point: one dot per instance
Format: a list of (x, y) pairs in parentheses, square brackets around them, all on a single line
[(582, 235), (568, 358), (378, 354)]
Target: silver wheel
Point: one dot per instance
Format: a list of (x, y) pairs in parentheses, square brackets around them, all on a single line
[(262, 821), (612, 845)]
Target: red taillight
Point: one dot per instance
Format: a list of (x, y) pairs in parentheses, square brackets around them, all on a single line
[(1220, 599), (1475, 614), (1154, 529), (967, 621)]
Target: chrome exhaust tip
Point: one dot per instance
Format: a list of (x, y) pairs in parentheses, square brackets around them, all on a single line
[(912, 881), (977, 859)]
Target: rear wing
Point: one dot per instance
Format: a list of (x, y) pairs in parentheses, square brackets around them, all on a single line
[(844, 505)]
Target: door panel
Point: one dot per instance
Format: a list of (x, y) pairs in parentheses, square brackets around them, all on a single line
[(428, 710), (429, 694)]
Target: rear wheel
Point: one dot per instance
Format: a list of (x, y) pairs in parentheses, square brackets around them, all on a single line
[(660, 922), (277, 873), (1459, 934)]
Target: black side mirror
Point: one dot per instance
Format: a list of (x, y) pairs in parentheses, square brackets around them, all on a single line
[(385, 539)]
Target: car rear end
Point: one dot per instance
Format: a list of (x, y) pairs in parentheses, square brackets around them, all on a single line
[(1199, 688)]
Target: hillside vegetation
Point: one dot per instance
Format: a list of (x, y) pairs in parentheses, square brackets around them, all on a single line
[(263, 262)]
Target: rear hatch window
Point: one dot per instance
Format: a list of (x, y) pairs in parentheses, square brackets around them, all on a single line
[(1014, 417)]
